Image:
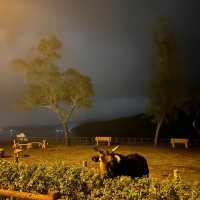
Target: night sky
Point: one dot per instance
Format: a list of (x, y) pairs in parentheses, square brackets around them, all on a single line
[(108, 40)]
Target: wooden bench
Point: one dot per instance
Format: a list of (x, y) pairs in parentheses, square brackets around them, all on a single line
[(184, 141), (103, 139), (42, 144)]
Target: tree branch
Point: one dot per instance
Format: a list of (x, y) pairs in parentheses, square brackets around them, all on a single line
[(70, 112)]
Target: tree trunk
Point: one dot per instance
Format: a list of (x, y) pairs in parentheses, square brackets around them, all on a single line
[(64, 119), (159, 124), (66, 135)]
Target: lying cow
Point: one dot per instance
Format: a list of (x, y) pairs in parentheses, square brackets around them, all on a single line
[(112, 164)]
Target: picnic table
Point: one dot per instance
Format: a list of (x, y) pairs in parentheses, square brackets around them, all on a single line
[(43, 144), (29, 145)]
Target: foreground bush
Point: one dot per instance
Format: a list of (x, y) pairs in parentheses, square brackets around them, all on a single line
[(83, 183)]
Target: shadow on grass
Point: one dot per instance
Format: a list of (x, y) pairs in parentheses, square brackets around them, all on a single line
[(7, 156), (26, 155)]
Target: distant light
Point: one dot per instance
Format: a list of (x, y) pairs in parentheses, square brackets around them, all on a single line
[(59, 131)]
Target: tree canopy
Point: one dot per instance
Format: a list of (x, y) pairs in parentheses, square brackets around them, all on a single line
[(48, 86)]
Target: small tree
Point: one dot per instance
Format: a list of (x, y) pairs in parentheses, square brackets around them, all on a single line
[(167, 86), (47, 86)]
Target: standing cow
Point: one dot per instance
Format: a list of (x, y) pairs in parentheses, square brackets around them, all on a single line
[(112, 164)]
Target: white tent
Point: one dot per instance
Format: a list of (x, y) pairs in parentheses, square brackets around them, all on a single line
[(21, 137)]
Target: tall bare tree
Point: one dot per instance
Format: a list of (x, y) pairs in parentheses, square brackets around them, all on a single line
[(47, 86)]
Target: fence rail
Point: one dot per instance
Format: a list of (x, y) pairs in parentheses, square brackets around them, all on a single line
[(10, 194), (118, 140), (114, 140)]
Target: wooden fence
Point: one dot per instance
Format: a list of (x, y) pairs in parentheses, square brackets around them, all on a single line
[(91, 140), (118, 140), (10, 194), (114, 141)]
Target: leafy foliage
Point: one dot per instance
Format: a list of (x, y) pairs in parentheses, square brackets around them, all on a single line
[(47, 86), (84, 183)]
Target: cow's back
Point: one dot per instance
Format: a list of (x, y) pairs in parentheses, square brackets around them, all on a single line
[(133, 165), (137, 165)]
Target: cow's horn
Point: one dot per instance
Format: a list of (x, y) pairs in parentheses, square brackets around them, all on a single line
[(115, 148), (117, 158)]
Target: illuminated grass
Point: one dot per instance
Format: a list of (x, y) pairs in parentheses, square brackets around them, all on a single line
[(162, 160)]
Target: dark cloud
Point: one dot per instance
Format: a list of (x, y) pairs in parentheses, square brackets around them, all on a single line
[(109, 40)]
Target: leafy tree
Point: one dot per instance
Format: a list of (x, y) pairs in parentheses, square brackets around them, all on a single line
[(167, 88), (47, 86)]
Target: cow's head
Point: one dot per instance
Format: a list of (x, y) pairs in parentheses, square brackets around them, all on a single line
[(107, 161)]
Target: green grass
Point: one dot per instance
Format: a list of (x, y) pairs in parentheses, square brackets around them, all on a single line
[(162, 160)]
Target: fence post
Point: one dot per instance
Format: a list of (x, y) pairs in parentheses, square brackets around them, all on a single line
[(53, 195)]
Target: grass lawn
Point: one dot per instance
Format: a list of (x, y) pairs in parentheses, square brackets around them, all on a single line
[(162, 160)]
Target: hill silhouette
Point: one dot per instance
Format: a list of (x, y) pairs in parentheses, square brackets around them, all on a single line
[(134, 126), (137, 126)]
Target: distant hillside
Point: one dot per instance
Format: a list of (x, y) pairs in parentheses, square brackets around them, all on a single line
[(136, 126)]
